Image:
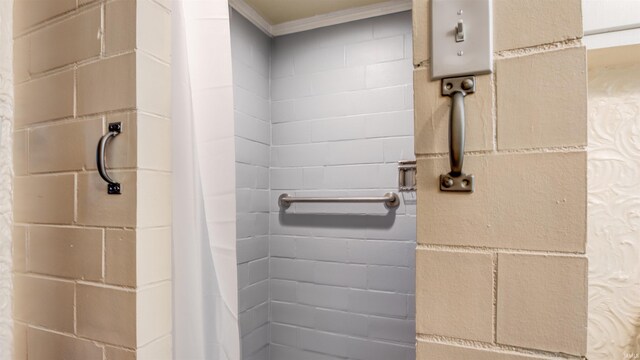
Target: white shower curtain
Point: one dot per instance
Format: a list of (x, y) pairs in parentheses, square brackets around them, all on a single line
[(204, 208)]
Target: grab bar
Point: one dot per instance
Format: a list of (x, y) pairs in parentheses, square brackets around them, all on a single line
[(113, 187), (390, 200)]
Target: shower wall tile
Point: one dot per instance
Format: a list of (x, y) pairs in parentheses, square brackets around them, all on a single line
[(291, 353), (378, 350), (291, 133), (340, 128), (334, 81), (249, 78), (342, 322), (389, 74), (318, 59), (251, 53), (251, 152), (256, 341), (399, 123), (253, 295), (392, 24), (375, 51), (252, 128), (254, 318)]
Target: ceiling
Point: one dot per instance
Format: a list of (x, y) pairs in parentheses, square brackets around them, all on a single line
[(280, 11)]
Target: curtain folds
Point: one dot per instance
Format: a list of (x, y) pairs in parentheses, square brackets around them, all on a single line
[(204, 207)]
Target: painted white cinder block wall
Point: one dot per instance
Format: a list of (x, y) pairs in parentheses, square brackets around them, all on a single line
[(251, 53), (341, 277)]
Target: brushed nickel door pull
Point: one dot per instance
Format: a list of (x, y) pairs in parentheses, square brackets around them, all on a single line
[(457, 89), (113, 187)]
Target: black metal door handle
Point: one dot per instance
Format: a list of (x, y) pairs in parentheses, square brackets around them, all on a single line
[(115, 129)]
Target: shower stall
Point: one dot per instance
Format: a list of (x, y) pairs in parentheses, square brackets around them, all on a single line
[(303, 245), (324, 113)]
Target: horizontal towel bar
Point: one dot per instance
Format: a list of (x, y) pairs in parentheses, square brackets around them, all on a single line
[(390, 200)]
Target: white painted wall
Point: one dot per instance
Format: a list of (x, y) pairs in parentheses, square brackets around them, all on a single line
[(609, 23), (251, 53)]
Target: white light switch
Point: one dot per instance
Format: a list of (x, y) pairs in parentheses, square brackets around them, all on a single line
[(461, 38)]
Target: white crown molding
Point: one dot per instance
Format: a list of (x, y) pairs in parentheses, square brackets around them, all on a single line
[(256, 19), (314, 22), (342, 16)]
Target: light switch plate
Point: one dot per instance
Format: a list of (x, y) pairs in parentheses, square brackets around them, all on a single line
[(473, 55)]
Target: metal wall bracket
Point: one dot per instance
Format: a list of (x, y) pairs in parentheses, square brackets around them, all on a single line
[(457, 88), (407, 175)]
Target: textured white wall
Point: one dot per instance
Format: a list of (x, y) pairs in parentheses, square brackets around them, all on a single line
[(6, 176), (614, 213)]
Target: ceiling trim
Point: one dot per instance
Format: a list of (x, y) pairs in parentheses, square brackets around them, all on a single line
[(314, 22), (247, 11)]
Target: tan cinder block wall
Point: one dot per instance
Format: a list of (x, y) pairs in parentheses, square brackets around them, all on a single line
[(502, 272), (92, 270)]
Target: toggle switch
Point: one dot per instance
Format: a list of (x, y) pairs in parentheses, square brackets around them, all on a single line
[(462, 41), (460, 31)]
